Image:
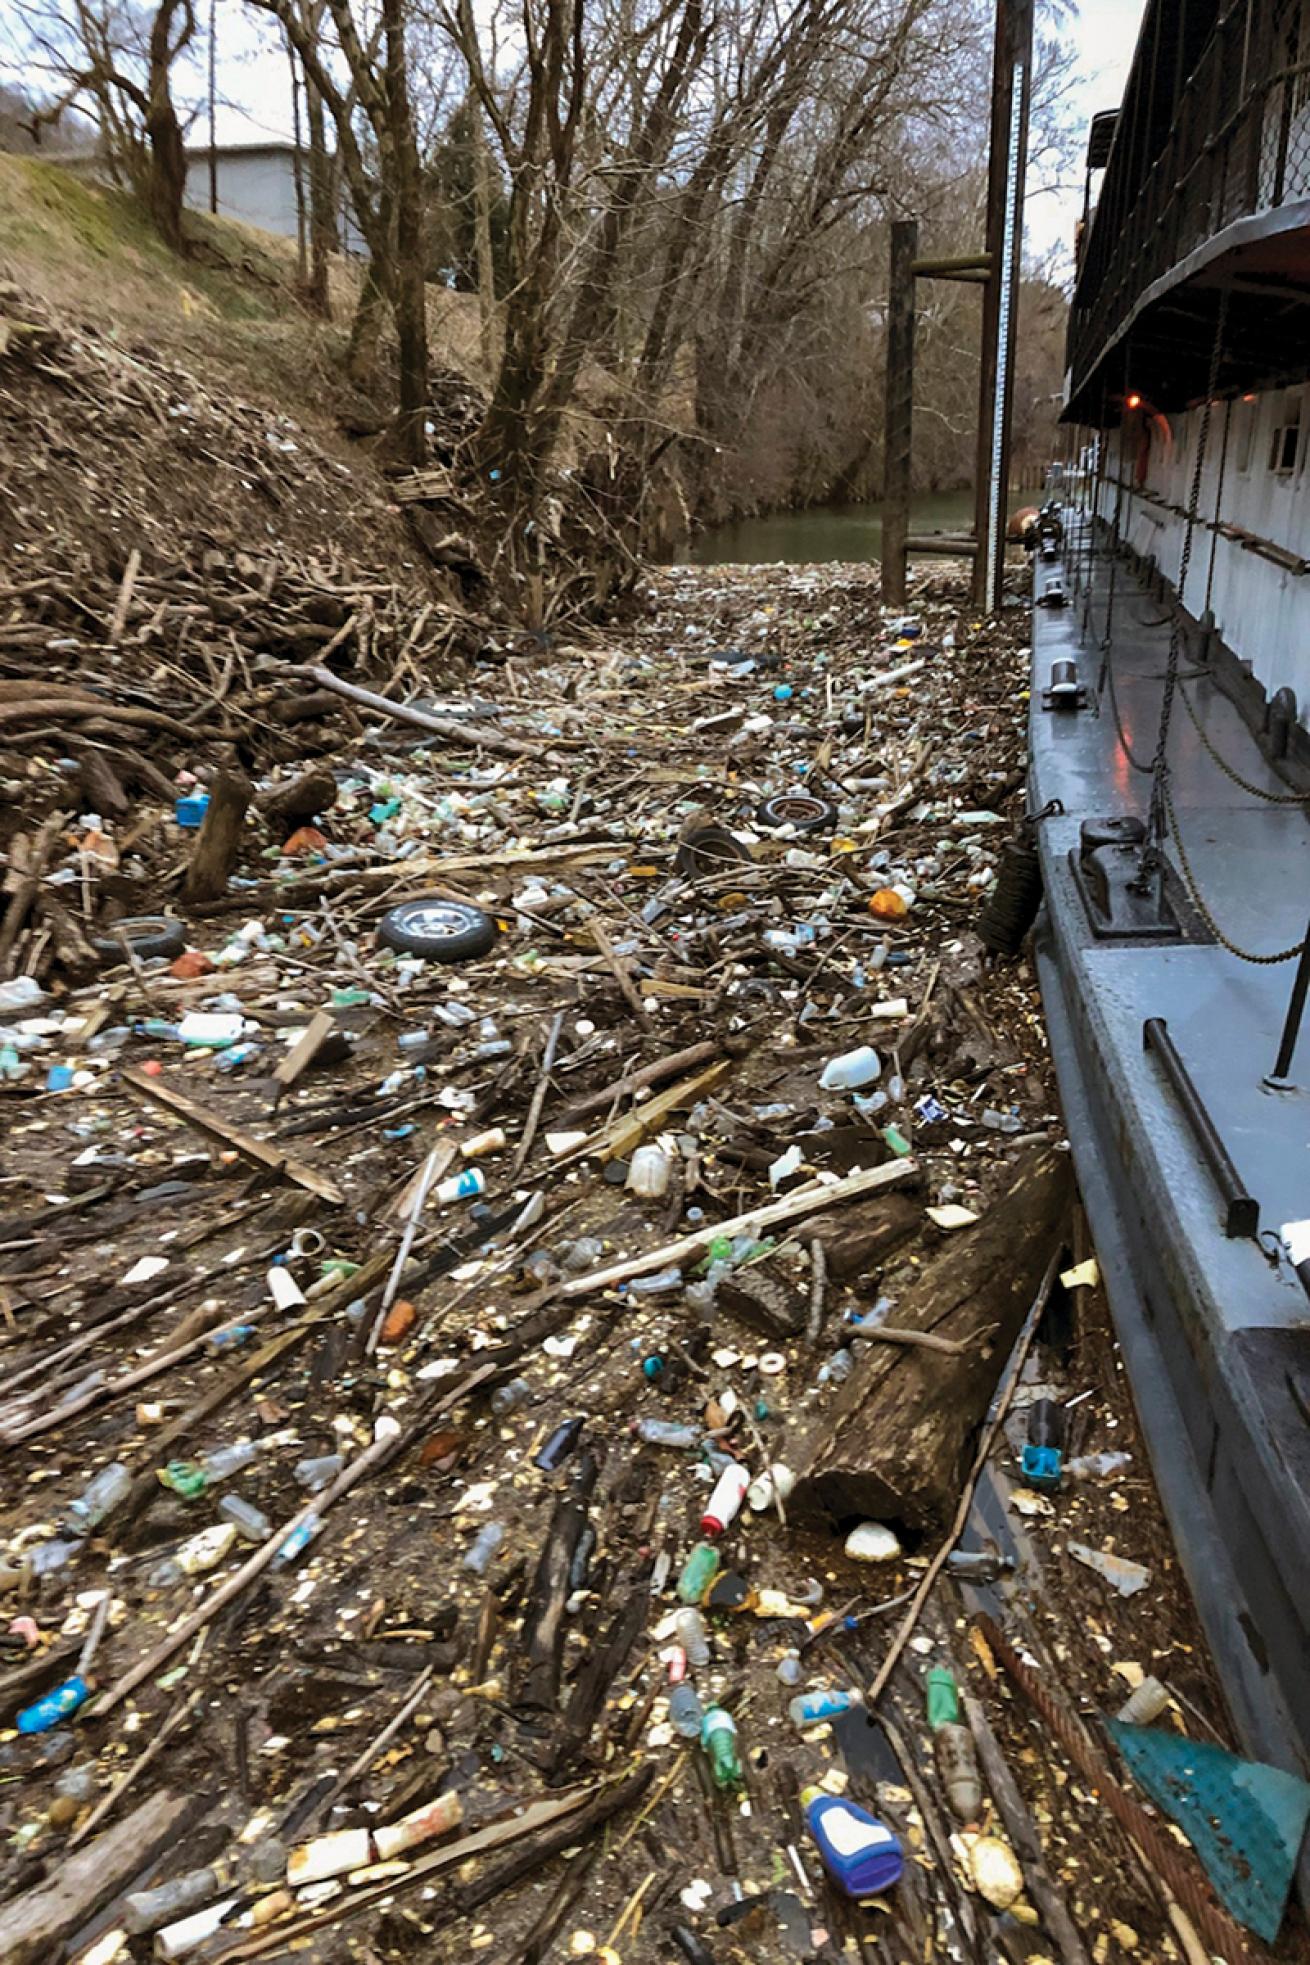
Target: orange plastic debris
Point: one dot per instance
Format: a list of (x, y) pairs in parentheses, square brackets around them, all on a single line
[(191, 963), (887, 904), (305, 839), (400, 1320)]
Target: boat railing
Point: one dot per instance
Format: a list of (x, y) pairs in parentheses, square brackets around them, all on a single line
[(1239, 147)]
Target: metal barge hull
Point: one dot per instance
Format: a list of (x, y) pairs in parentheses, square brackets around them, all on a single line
[(1214, 1327)]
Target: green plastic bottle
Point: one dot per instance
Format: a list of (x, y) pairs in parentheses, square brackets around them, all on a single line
[(698, 1573), (718, 1736), (943, 1698)]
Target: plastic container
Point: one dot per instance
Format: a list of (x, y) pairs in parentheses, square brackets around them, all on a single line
[(718, 1736), (778, 1480), (1097, 1466), (725, 1501), (693, 1637), (491, 1141), (649, 1173), (978, 1565), (667, 1432), (297, 1542), (657, 1285), (810, 1707), (1042, 1455), (698, 1573), (55, 1707), (859, 1852), (686, 1712), (107, 1491), (146, 1910)]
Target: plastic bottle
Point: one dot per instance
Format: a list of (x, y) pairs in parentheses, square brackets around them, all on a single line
[(1097, 1466), (943, 1698), (851, 1070), (693, 1637), (957, 1764), (789, 1668), (507, 1398), (107, 1491), (725, 1501), (686, 1711), (195, 1557), (667, 1432), (649, 1172), (482, 1549), (810, 1707), (978, 1565), (1043, 1453), (718, 1736), (461, 1187), (490, 1141), (559, 1445), (698, 1573), (189, 1478), (859, 1852), (146, 1910), (1146, 1704), (297, 1542), (777, 1480), (252, 1524), (56, 1706), (656, 1285), (318, 1471)]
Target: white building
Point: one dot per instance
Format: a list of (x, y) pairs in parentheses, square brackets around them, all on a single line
[(257, 184)]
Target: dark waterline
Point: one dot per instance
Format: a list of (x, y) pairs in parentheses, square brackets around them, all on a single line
[(826, 532)]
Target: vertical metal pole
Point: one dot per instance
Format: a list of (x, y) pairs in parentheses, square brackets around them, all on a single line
[(1011, 91), (213, 101), (899, 412), (1279, 1077)]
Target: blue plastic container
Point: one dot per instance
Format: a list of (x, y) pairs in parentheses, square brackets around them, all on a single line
[(190, 811), (56, 1706), (859, 1852)]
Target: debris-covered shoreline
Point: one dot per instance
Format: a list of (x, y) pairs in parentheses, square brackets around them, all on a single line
[(429, 1305)]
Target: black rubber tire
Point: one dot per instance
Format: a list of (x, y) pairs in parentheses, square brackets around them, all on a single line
[(438, 929), (799, 809), (148, 935)]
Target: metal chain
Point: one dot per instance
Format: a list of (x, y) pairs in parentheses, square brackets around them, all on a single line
[(1256, 791), (1202, 907), (1136, 762), (1156, 813)]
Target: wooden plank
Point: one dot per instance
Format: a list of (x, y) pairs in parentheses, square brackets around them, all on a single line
[(303, 1053), (271, 1158), (32, 1928)]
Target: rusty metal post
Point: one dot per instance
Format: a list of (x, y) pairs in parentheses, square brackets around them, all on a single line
[(899, 411), (1011, 93)]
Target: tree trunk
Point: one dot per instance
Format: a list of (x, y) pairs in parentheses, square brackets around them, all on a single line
[(896, 1442), (410, 297), (365, 329), (167, 185), (489, 338), (322, 206)]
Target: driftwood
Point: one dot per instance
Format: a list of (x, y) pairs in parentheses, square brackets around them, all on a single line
[(297, 799), (602, 1665), (468, 736), (765, 1301), (861, 1239), (31, 1930), (218, 845), (542, 1642), (896, 1443), (226, 1133)]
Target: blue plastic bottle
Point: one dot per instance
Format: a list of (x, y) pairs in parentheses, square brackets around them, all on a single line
[(56, 1706), (859, 1852)]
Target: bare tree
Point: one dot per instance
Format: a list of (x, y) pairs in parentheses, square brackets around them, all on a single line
[(116, 63)]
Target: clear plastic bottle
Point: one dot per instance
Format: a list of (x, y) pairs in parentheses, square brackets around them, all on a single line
[(297, 1541), (667, 1432), (693, 1636), (481, 1552), (1097, 1466), (686, 1712), (146, 1910), (107, 1491), (649, 1173), (507, 1398), (225, 1461), (656, 1285), (318, 1472), (1146, 1704), (252, 1524)]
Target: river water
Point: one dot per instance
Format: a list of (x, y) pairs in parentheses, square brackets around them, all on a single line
[(826, 532)]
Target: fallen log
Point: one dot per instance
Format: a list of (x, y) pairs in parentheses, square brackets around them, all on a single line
[(895, 1444), (541, 1645), (33, 1928), (861, 1239), (305, 796)]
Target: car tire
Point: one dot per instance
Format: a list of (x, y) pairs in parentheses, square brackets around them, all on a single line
[(148, 935), (438, 929), (799, 809)]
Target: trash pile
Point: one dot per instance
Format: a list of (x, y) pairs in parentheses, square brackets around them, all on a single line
[(553, 1406)]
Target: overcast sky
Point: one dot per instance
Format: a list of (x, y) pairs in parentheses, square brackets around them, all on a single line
[(254, 76)]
